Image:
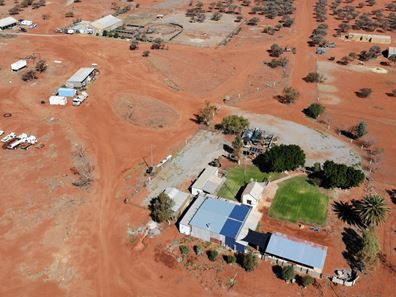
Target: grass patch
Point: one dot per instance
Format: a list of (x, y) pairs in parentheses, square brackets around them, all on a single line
[(298, 201), (239, 176)]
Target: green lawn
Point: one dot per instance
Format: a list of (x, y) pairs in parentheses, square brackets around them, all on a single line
[(298, 201), (239, 176)]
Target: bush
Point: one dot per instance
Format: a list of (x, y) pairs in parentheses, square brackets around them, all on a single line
[(234, 124), (281, 158), (146, 53), (314, 77), (364, 92), (281, 62), (361, 129), (230, 259), (341, 176), (287, 273), (290, 95), (161, 208), (41, 66), (249, 262), (314, 110), (184, 250), (307, 281), (213, 255), (134, 45), (276, 50), (198, 250), (29, 75)]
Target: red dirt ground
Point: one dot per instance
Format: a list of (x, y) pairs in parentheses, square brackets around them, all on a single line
[(59, 240)]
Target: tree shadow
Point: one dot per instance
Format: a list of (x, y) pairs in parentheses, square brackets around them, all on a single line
[(392, 195), (353, 244), (262, 163), (345, 211), (277, 270)]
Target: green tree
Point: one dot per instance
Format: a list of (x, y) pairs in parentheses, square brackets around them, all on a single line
[(249, 262), (161, 208), (237, 145), (281, 158), (184, 250), (314, 110), (234, 124), (230, 259), (369, 253), (213, 255), (372, 210), (287, 273), (206, 114), (341, 176)]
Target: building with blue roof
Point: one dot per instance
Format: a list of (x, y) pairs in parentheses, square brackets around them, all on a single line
[(304, 255), (67, 92), (219, 220)]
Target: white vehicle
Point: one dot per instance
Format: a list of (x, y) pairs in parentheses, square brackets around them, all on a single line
[(8, 137), (70, 31), (31, 139), (80, 99), (26, 23), (1, 132), (20, 139)]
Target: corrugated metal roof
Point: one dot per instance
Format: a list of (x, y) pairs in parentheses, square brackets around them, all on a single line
[(67, 92), (298, 251), (178, 197), (209, 181), (7, 21), (254, 189), (106, 22), (220, 216), (18, 64), (81, 74)]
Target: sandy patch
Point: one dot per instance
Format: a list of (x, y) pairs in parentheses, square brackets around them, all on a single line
[(327, 88)]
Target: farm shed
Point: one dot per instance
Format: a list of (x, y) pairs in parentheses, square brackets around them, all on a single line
[(7, 23), (18, 65), (391, 51), (304, 255), (81, 78), (106, 23), (372, 38), (252, 193), (218, 220), (67, 92), (209, 181), (180, 199), (57, 100)]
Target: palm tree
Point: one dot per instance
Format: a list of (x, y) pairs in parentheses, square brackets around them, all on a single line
[(372, 210)]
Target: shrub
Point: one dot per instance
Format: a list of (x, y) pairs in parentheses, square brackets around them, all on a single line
[(314, 110), (314, 77), (253, 21), (364, 92), (361, 129), (206, 114), (134, 45), (230, 259), (29, 75), (184, 250), (281, 158), (157, 44), (307, 281), (281, 62), (146, 53), (213, 255), (249, 262), (368, 255), (41, 66), (198, 250), (234, 124), (276, 50), (287, 273), (290, 95), (161, 208)]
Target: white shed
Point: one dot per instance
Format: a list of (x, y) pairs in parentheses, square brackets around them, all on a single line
[(18, 65), (58, 100), (107, 23), (252, 193), (26, 23)]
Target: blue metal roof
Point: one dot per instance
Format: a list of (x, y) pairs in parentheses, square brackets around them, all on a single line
[(302, 252), (66, 92), (220, 216)]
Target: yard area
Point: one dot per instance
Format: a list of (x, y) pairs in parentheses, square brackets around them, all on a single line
[(298, 201), (239, 176)]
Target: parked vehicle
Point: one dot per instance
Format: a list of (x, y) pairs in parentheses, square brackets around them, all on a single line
[(80, 98), (22, 29), (8, 137), (1, 132)]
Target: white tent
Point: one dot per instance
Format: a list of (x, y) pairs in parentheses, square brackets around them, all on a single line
[(58, 100), (18, 65)]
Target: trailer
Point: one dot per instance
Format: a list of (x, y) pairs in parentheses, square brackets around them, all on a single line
[(58, 100), (17, 141), (8, 137)]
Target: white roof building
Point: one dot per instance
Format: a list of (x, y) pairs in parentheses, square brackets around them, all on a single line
[(107, 23), (253, 193), (80, 78), (18, 65), (8, 22), (208, 182), (180, 199), (58, 100), (391, 51)]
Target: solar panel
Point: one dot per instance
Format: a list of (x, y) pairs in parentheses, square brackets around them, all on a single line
[(231, 228), (239, 212)]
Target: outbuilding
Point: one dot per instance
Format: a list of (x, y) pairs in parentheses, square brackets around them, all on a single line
[(209, 181), (7, 23), (81, 78), (391, 51), (252, 193), (218, 220), (107, 23), (181, 200), (58, 100), (18, 65), (66, 92), (372, 38), (26, 23)]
